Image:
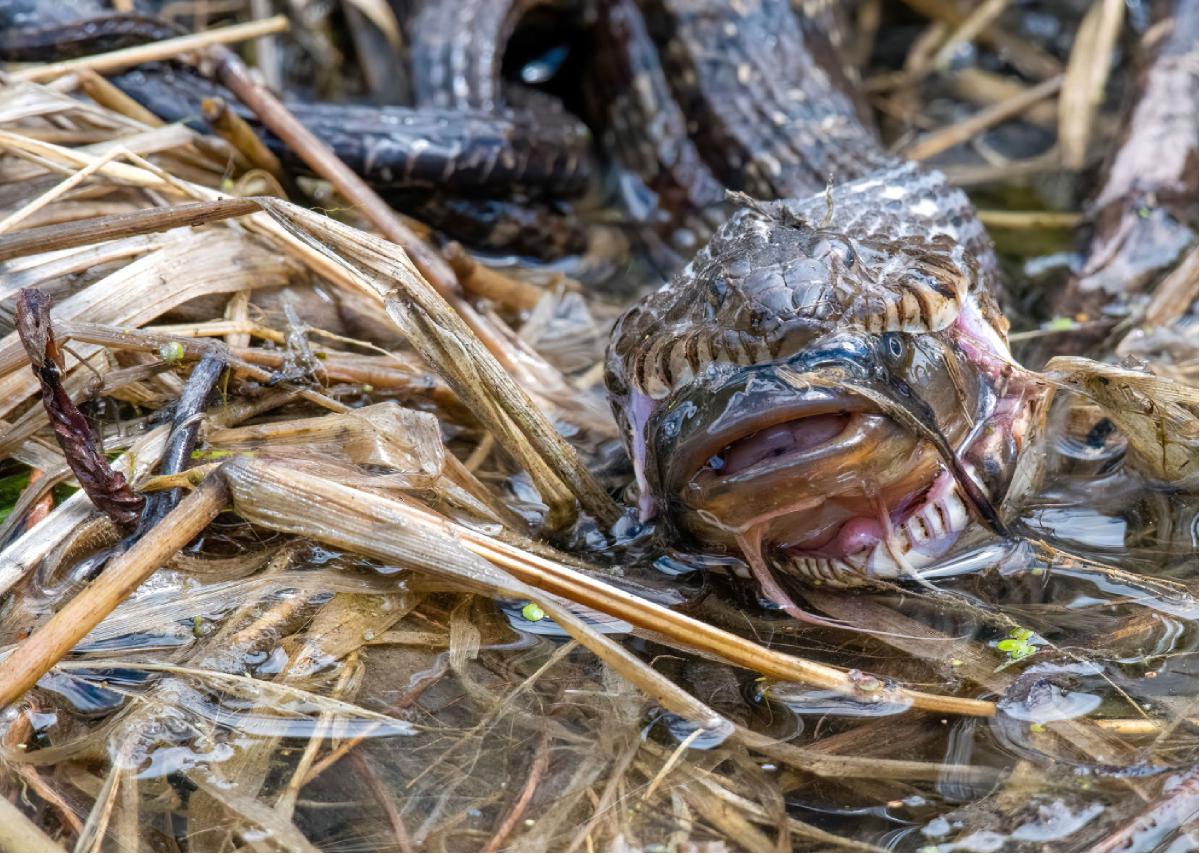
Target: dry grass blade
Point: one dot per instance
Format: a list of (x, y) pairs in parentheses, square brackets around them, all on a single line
[(978, 20), (987, 87), (190, 265), (381, 269), (107, 95), (1029, 219), (18, 833), (1085, 79), (963, 131), (1156, 414), (1025, 55)]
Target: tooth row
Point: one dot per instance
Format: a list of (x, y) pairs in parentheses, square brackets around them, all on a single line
[(932, 521), (820, 570), (673, 361)]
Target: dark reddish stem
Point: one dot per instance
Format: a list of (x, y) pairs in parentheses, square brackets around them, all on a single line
[(106, 487)]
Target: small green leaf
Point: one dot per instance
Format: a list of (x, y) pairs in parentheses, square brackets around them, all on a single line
[(532, 612)]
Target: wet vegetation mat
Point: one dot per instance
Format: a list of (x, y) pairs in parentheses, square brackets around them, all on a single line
[(317, 530)]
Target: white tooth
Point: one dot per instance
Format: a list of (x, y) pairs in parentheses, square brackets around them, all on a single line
[(856, 576), (917, 530), (917, 559), (881, 564), (956, 511), (934, 520)]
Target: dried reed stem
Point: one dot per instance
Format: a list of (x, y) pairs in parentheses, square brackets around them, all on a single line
[(482, 281), (963, 131), (237, 131), (1085, 79), (154, 51), (97, 229)]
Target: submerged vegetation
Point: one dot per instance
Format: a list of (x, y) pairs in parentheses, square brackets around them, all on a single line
[(351, 566)]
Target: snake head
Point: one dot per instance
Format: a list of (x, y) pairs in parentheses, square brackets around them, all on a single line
[(822, 388)]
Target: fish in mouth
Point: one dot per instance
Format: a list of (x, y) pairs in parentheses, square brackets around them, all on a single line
[(836, 403)]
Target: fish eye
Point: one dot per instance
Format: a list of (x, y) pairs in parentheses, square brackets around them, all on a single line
[(892, 345)]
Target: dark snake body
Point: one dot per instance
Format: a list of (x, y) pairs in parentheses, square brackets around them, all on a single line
[(749, 95), (493, 176), (397, 148)]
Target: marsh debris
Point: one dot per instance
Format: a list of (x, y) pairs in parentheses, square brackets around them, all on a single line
[(371, 585)]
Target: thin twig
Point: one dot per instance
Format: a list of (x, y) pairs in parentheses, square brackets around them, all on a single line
[(404, 841), (541, 761), (58, 190), (237, 131)]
